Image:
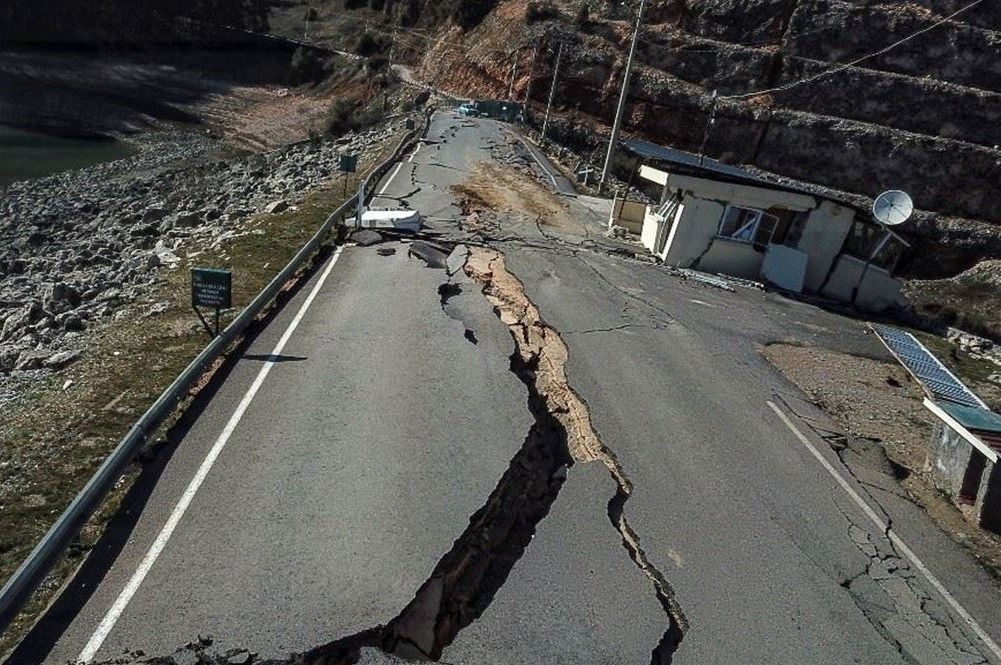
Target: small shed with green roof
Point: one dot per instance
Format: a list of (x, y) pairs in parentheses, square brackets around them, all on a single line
[(963, 456)]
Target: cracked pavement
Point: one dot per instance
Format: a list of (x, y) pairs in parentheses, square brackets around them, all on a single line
[(533, 450)]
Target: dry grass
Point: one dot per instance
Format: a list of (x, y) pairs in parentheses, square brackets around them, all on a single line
[(500, 188), (55, 438)]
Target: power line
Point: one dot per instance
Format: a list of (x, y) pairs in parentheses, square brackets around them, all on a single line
[(847, 65)]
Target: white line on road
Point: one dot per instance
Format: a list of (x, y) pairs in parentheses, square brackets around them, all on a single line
[(111, 618), (397, 170), (894, 538), (539, 162)]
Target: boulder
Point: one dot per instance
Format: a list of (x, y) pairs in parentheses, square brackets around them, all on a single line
[(165, 256), (154, 215), (366, 237), (32, 359), (188, 219), (61, 359), (16, 323), (8, 357), (70, 322), (276, 207)]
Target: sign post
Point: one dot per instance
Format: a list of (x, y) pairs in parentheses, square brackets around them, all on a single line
[(211, 288), (349, 164)]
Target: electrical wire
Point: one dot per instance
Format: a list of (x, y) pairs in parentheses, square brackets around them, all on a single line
[(856, 61)]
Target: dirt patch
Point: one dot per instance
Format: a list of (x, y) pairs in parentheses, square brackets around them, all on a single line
[(501, 188), (263, 117), (541, 347), (879, 402)]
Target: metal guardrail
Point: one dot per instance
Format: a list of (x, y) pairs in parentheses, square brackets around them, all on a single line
[(47, 552)]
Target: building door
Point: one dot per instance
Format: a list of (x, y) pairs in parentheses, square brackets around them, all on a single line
[(971, 479)]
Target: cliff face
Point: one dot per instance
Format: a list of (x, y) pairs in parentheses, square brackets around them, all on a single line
[(924, 116)]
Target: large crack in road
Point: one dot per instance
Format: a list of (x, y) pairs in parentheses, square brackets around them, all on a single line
[(541, 348), (464, 582)]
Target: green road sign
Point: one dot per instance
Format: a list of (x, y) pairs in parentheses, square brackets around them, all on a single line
[(349, 163), (211, 288)]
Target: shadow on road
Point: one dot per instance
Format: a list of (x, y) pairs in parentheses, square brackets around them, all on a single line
[(35, 648)]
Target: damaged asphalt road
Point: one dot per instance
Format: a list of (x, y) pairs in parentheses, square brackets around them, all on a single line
[(510, 444)]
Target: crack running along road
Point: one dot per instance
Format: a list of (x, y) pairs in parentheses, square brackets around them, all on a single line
[(886, 527), (710, 496)]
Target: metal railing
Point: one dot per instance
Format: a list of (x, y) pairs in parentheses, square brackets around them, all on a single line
[(48, 551)]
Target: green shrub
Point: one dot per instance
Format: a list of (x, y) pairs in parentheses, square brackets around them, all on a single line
[(470, 13), (541, 11), (308, 67), (369, 44), (346, 115)]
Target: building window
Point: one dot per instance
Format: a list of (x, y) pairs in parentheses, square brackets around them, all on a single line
[(748, 225), (873, 244)]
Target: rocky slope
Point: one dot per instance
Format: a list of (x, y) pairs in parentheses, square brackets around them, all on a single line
[(924, 117), (75, 247)]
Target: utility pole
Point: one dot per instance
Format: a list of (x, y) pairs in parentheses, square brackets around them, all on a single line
[(622, 100), (392, 45), (712, 121), (514, 69), (552, 91), (531, 72)]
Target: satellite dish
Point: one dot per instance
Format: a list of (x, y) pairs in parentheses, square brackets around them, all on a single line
[(892, 207)]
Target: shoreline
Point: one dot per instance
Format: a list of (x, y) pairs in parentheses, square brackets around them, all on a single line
[(27, 154)]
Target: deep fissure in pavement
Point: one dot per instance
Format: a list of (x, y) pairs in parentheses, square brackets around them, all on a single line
[(540, 346), (466, 579)]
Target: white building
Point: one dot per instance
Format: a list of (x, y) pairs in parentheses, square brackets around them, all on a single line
[(721, 219)]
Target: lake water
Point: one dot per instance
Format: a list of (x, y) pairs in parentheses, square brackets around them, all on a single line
[(32, 155)]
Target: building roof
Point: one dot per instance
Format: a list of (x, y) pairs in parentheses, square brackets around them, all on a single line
[(941, 384), (688, 163), (975, 419)]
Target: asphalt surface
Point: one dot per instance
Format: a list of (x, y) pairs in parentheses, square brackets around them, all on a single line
[(389, 418), (757, 540)]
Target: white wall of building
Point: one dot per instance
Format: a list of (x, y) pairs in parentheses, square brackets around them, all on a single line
[(877, 291), (693, 231), (732, 257), (823, 236)]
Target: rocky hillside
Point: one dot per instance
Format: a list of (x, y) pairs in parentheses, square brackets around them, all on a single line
[(924, 116), (70, 262)]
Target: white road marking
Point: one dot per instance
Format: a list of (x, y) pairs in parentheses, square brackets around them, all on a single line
[(388, 182), (111, 618), (397, 170), (894, 538), (541, 164)]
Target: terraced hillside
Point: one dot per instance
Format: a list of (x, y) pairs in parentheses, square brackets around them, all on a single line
[(925, 116)]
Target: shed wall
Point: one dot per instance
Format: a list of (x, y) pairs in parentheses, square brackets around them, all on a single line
[(695, 228), (949, 455)]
